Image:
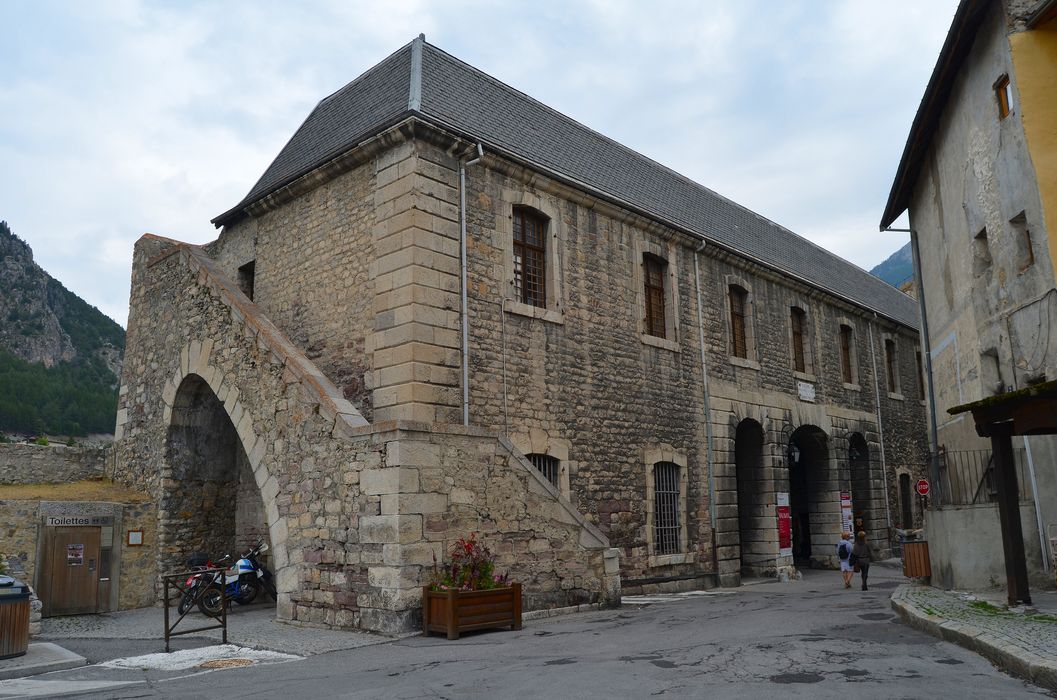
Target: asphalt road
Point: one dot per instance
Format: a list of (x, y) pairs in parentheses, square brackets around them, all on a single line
[(810, 638)]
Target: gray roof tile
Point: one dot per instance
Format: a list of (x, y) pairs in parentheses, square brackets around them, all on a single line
[(458, 96)]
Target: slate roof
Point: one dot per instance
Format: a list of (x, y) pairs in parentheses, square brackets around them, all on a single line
[(421, 79)]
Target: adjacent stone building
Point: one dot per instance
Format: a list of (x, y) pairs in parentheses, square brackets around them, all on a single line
[(448, 308), (978, 177)]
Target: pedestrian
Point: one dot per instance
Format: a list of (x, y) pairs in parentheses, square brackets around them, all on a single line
[(844, 557), (861, 555)]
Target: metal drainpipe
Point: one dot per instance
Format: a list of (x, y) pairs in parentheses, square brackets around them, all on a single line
[(880, 430), (465, 317), (1038, 507), (709, 465)]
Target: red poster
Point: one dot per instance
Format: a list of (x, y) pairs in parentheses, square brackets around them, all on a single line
[(785, 528)]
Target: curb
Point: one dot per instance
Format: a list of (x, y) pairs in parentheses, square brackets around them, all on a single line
[(1013, 659)]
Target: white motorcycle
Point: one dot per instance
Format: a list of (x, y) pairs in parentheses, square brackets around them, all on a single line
[(241, 583)]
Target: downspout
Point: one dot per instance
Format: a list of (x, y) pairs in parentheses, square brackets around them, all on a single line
[(880, 430), (465, 317), (926, 345), (709, 465), (1038, 507)]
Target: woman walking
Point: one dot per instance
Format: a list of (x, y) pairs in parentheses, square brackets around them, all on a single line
[(862, 554), (844, 557)]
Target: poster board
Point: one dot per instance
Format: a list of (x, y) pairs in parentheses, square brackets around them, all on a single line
[(846, 518), (785, 525)]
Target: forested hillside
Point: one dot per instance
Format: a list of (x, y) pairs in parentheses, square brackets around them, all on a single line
[(60, 357)]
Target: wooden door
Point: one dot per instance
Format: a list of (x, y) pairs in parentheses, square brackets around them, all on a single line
[(72, 571)]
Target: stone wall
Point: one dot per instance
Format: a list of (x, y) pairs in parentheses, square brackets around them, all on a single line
[(559, 378), (19, 524), (346, 503), (49, 464), (312, 280)]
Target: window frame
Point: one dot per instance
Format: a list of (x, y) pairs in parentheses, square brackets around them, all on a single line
[(503, 240), (652, 456), (891, 360), (548, 465), (1004, 96), (666, 497), (853, 354), (523, 215), (654, 292)]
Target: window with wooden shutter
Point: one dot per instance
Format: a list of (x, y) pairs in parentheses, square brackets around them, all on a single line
[(846, 355), (738, 336), (653, 272), (666, 525), (530, 257), (797, 318), (892, 365)]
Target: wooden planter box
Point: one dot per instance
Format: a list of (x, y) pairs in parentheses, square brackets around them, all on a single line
[(454, 612), (916, 560)]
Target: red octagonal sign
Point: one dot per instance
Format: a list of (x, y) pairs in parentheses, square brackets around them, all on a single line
[(923, 487)]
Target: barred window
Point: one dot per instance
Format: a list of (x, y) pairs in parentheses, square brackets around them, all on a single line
[(547, 465), (530, 255), (738, 336), (666, 508), (797, 320), (845, 355), (654, 269)]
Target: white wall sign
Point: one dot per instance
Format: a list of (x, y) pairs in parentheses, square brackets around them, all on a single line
[(806, 390)]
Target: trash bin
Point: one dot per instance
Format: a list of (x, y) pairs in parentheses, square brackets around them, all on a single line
[(916, 559), (14, 618)]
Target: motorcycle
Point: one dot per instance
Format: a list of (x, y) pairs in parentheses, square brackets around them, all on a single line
[(197, 581), (240, 583)]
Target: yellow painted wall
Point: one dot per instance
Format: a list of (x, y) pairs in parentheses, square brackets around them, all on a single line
[(1035, 65)]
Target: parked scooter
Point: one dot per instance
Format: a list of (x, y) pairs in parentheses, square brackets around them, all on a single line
[(241, 583)]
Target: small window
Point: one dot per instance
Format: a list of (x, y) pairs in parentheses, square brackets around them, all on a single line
[(246, 274), (530, 257), (981, 253), (1004, 95), (666, 526), (892, 365), (846, 366), (547, 465), (798, 321), (1022, 241), (739, 302), (654, 271)]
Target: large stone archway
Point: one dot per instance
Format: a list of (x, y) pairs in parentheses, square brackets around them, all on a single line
[(756, 512), (217, 494), (814, 497)]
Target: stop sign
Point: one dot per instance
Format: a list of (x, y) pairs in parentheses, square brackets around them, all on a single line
[(923, 487)]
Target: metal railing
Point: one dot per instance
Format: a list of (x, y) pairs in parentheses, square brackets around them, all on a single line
[(968, 477), (177, 582)]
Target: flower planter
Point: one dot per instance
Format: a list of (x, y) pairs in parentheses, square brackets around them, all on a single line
[(454, 612)]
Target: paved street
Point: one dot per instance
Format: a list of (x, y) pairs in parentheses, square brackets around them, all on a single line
[(801, 639)]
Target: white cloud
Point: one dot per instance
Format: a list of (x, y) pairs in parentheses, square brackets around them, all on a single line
[(126, 117)]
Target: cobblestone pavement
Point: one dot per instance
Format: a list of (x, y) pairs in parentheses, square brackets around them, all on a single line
[(1021, 641)]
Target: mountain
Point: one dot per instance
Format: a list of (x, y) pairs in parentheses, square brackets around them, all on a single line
[(897, 269), (60, 357)]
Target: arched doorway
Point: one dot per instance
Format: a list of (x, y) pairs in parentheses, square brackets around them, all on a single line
[(755, 501), (814, 499), (862, 491), (210, 502)]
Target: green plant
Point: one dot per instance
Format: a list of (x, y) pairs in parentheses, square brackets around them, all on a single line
[(70, 442), (3, 564), (472, 568), (42, 440), (984, 606)]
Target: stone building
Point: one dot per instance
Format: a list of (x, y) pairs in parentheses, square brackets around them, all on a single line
[(446, 308), (978, 177)]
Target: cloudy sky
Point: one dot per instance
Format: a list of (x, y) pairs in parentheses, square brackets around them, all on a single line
[(124, 117)]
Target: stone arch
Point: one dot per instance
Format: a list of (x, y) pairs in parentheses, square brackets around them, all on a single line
[(814, 496), (755, 487), (863, 493), (203, 410)]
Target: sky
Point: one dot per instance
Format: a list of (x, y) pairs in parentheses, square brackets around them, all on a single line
[(123, 117)]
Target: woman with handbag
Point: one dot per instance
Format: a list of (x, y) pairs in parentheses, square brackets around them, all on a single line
[(861, 554)]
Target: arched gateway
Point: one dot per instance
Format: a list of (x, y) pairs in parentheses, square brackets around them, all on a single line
[(210, 498)]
